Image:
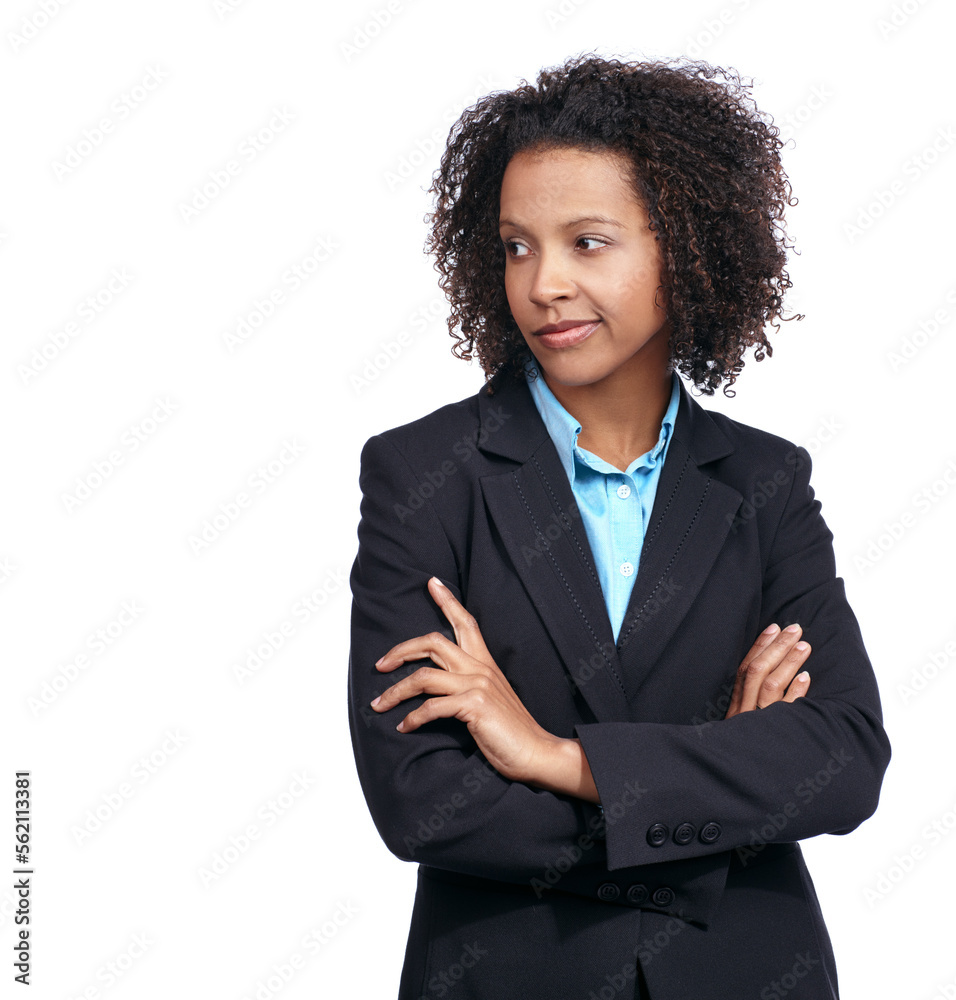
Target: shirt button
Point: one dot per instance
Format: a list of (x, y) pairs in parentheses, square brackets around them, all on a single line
[(624, 491), (627, 569)]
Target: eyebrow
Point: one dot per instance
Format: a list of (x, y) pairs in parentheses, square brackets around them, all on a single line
[(600, 219)]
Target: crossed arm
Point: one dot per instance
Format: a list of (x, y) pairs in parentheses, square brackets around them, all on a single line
[(434, 797), (468, 685)]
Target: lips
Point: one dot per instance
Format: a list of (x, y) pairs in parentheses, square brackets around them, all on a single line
[(567, 333)]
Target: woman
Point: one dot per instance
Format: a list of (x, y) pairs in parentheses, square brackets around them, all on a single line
[(574, 589)]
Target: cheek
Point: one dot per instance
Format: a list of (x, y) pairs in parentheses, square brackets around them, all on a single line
[(512, 291), (639, 285)]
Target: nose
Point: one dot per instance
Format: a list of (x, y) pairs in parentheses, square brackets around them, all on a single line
[(552, 279)]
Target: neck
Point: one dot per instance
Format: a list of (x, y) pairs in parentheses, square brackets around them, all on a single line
[(620, 415)]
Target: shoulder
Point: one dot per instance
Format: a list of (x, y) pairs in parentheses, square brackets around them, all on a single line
[(757, 444), (435, 437), (749, 459)]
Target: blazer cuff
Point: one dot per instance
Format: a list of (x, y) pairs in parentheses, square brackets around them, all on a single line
[(636, 828)]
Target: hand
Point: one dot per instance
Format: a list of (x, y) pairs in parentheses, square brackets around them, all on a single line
[(767, 670), (474, 690)]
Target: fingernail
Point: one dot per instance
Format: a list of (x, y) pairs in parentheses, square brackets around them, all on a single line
[(379, 660), (802, 646), (792, 628), (440, 584), (375, 701), (803, 676), (399, 726), (769, 629)]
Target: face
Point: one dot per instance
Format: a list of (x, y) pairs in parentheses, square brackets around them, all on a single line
[(582, 263)]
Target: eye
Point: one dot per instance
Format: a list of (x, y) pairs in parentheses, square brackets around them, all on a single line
[(592, 239), (508, 244)]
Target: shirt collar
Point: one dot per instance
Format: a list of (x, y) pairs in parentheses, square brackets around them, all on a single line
[(564, 429)]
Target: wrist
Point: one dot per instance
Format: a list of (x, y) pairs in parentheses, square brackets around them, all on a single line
[(561, 766)]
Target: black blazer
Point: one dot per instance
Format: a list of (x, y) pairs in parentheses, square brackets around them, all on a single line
[(693, 885)]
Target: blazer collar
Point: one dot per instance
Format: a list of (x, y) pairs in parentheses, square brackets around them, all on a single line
[(512, 427), (533, 508)]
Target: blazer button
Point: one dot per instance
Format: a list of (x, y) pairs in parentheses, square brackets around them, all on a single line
[(709, 832), (637, 894), (663, 897), (657, 835), (608, 892), (684, 834)]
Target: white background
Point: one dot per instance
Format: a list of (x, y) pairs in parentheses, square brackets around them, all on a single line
[(863, 88)]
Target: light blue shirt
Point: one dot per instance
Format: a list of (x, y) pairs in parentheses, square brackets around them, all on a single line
[(615, 506)]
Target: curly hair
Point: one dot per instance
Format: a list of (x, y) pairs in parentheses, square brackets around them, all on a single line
[(706, 165)]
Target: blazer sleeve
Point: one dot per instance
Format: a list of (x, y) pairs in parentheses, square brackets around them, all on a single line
[(432, 795), (782, 773)]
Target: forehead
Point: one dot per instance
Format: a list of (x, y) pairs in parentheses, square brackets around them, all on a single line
[(555, 181)]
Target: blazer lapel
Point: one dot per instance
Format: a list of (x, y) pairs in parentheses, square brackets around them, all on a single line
[(689, 523), (534, 511)]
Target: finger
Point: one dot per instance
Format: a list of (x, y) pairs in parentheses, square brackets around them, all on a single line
[(798, 687), (425, 680), (435, 646), (760, 666), (763, 640), (448, 707), (776, 683), (465, 625)]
